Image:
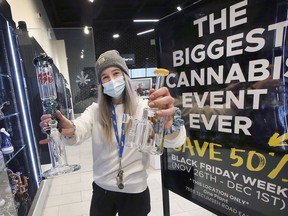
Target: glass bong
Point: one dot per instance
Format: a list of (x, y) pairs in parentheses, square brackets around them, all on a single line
[(48, 95), (147, 134)]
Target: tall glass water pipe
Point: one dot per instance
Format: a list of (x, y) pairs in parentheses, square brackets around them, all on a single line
[(48, 95)]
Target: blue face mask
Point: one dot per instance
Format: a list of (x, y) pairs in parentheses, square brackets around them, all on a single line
[(115, 87)]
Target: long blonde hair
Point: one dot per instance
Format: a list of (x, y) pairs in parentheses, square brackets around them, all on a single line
[(130, 100)]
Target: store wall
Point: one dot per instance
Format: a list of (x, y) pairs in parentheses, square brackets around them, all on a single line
[(34, 14)]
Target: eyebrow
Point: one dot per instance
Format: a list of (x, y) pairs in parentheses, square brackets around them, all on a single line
[(117, 69)]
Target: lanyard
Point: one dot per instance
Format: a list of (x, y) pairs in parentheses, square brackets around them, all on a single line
[(122, 141)]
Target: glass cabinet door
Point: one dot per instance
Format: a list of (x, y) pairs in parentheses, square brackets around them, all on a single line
[(20, 174)]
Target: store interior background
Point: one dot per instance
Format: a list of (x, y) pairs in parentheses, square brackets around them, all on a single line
[(57, 27), (64, 41)]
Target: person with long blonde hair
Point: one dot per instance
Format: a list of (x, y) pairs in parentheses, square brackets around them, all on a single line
[(103, 122)]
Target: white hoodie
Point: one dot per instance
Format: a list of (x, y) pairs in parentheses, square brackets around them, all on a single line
[(106, 155)]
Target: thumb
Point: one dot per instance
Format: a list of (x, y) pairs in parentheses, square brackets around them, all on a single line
[(59, 116), (63, 122)]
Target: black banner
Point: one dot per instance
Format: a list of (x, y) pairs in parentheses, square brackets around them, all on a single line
[(228, 74)]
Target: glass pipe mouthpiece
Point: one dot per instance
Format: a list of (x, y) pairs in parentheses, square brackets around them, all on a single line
[(161, 74)]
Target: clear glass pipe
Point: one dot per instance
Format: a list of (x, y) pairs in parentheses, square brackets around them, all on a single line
[(148, 134), (48, 95)]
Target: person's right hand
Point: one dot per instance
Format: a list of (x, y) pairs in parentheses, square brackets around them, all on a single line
[(65, 125)]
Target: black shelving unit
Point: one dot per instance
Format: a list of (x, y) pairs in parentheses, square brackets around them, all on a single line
[(21, 176)]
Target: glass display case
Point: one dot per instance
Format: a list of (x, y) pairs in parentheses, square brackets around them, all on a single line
[(20, 174)]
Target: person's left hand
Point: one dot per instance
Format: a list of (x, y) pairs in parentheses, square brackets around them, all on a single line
[(162, 100)]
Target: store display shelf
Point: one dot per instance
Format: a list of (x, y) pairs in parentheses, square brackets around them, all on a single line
[(20, 169), (11, 156), (4, 75), (9, 116)]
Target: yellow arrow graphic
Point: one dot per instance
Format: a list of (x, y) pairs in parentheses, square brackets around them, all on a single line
[(276, 140)]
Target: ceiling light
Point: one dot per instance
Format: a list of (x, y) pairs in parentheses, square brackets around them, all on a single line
[(146, 20), (179, 8), (144, 32), (82, 54), (91, 1), (116, 35), (86, 30)]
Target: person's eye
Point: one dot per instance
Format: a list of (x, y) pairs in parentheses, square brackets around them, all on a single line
[(104, 79), (117, 73)]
